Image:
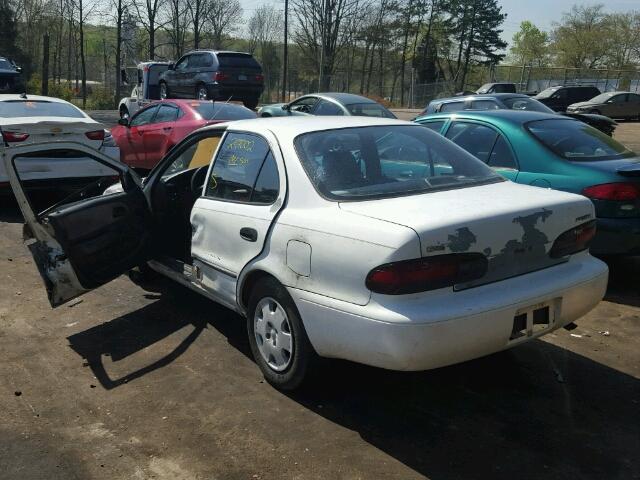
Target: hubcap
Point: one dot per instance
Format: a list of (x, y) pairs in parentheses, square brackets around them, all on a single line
[(202, 93), (273, 334)]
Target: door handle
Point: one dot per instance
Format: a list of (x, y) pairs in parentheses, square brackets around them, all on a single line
[(166, 128), (249, 234)]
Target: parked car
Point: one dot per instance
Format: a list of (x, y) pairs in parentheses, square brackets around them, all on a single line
[(497, 87), (341, 104), (372, 240), (28, 119), (513, 101), (214, 75), (146, 89), (558, 98), (611, 104), (561, 153), (11, 80), (153, 131)]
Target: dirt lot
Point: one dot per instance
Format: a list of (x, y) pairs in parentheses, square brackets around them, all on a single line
[(141, 382)]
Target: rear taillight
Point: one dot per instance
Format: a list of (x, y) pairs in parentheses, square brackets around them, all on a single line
[(15, 136), (573, 241), (259, 78), (108, 140), (220, 77), (423, 274), (95, 135), (619, 191)]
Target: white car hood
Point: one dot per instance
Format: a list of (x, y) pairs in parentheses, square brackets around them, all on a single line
[(513, 225)]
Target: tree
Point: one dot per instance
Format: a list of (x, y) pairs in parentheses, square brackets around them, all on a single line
[(264, 30), (530, 45), (178, 17), (197, 9), (148, 15), (324, 28), (623, 31), (223, 18), (581, 39), (8, 31)]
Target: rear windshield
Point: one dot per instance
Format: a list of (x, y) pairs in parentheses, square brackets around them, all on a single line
[(38, 108), (222, 111), (387, 161), (5, 64), (369, 110), (237, 60), (575, 140), (526, 103)]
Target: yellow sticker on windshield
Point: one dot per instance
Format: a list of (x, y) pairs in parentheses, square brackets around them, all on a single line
[(241, 144)]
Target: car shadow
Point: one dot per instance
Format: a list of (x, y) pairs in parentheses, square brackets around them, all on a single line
[(624, 284), (537, 411)]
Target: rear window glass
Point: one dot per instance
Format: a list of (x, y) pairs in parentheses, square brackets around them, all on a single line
[(222, 111), (577, 141), (37, 108), (387, 161), (237, 60), (369, 110)]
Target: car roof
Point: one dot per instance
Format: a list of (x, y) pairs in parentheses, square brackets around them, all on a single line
[(343, 98), (514, 117), (479, 96), (18, 96)]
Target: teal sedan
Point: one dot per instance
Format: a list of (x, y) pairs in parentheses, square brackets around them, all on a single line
[(561, 153)]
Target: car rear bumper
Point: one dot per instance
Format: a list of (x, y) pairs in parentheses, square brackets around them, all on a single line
[(414, 333), (617, 236)]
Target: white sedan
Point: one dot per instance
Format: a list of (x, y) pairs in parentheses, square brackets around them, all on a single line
[(28, 119), (372, 240)]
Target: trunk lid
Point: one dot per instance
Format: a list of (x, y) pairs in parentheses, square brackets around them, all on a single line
[(514, 226), (53, 129)]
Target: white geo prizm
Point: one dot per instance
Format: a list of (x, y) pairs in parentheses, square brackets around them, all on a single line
[(372, 240)]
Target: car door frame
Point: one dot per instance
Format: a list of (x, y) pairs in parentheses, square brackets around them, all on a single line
[(229, 294), (140, 160), (156, 126), (499, 132), (60, 278)]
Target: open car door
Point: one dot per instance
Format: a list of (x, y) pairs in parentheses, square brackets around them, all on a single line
[(86, 238)]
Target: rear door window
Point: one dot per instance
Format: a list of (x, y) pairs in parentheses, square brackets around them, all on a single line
[(502, 155), (484, 105), (452, 107), (476, 139), (236, 168), (327, 108), (435, 126)]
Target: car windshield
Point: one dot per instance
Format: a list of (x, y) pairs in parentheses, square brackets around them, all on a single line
[(603, 97), (547, 92), (369, 110), (575, 140), (387, 161), (526, 103), (222, 111), (38, 108)]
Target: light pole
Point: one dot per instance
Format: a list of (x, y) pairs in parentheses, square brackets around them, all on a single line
[(285, 60)]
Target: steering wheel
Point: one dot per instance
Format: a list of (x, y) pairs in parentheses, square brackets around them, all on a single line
[(198, 179)]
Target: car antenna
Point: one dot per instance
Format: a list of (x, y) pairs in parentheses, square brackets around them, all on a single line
[(213, 102)]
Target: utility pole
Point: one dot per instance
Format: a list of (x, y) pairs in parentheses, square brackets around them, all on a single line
[(285, 60), (45, 65), (323, 26)]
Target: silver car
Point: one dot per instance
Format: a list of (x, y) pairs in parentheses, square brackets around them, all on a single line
[(611, 104)]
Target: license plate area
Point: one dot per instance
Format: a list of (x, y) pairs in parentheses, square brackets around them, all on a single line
[(242, 77), (533, 320)]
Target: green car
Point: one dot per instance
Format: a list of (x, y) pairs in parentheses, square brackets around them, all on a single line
[(548, 151)]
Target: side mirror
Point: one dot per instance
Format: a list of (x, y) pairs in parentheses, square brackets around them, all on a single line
[(285, 106), (19, 69), (171, 66), (124, 122)]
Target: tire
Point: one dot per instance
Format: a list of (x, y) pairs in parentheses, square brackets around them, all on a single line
[(251, 103), (124, 112), (201, 92), (164, 91), (269, 337)]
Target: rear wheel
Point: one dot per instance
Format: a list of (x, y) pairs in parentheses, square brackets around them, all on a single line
[(201, 92), (251, 103), (164, 91), (277, 337)]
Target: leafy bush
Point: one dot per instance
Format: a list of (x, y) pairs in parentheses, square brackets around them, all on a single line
[(100, 98)]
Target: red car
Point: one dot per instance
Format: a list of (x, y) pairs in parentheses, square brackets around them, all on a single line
[(149, 134)]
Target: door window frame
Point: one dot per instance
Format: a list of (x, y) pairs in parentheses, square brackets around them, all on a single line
[(150, 107)]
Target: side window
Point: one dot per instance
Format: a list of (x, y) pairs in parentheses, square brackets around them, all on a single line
[(501, 155), (435, 126), (560, 95), (166, 113), (144, 117), (484, 105), (476, 139), (268, 182), (182, 63), (635, 98), (304, 105), (207, 60), (195, 155), (236, 167), (327, 108), (619, 99), (452, 107)]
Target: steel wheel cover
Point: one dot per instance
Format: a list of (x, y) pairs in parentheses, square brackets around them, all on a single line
[(273, 334)]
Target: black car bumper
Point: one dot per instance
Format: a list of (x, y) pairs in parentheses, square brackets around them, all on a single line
[(617, 236)]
